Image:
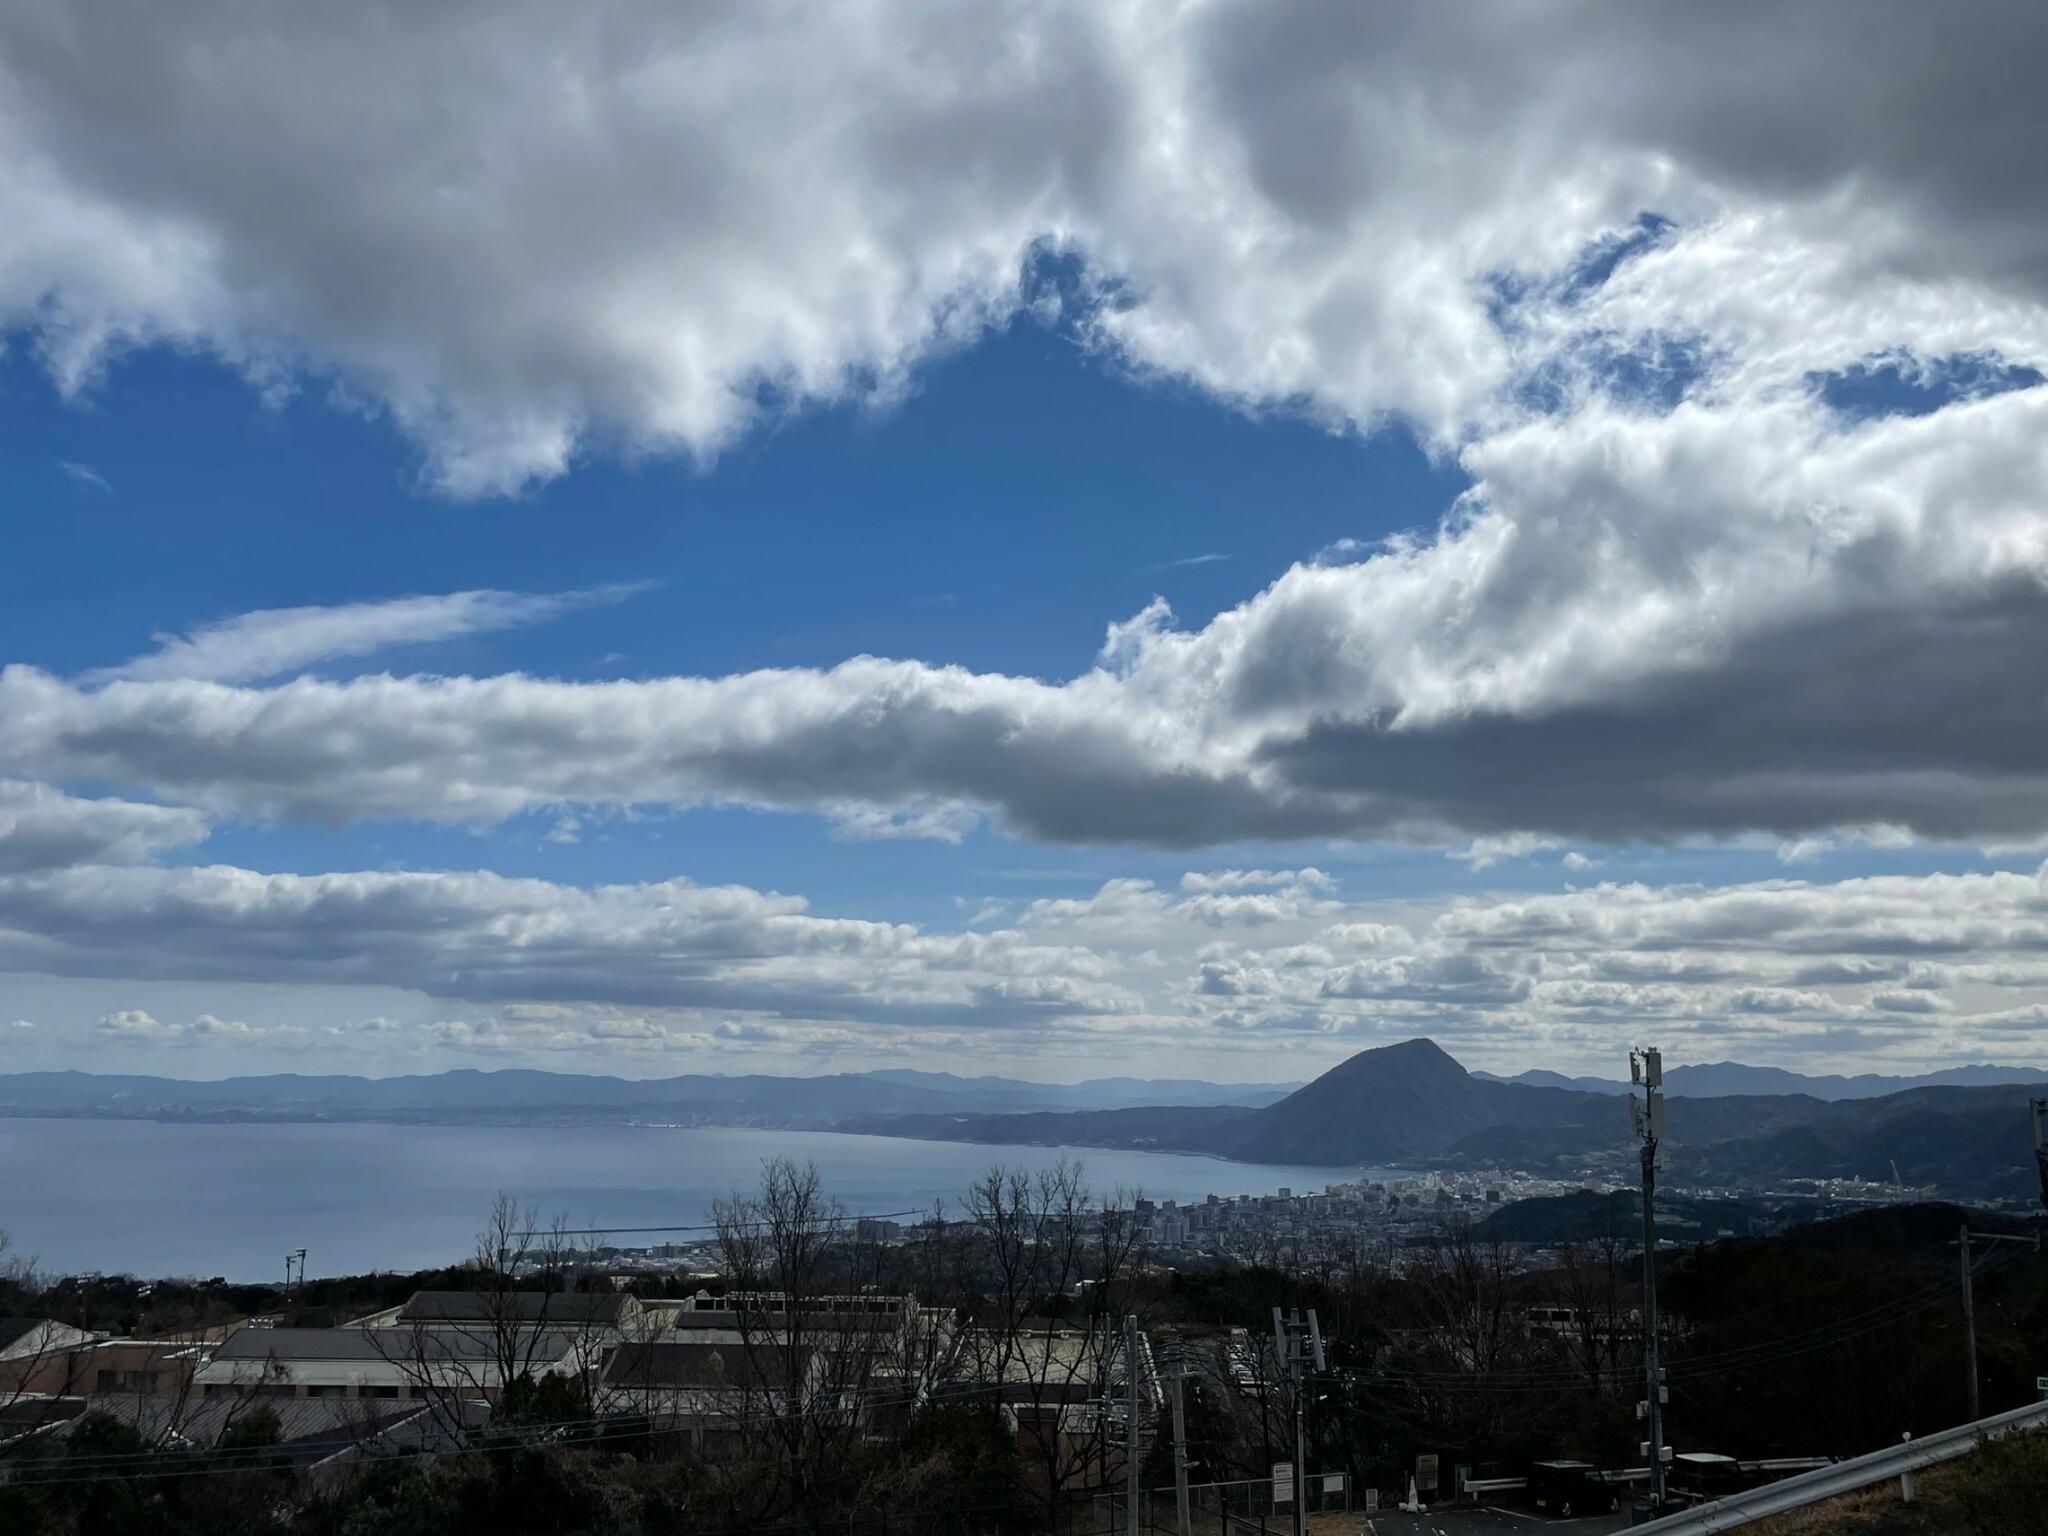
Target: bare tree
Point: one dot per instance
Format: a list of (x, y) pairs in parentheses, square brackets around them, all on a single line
[(1474, 1327), (819, 1345), (28, 1392), (520, 1324), (1596, 1277), (1049, 1277)]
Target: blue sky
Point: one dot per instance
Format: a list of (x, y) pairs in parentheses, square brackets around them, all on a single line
[(997, 586), (1024, 497)]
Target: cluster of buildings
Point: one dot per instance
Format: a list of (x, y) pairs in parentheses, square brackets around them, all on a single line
[(1223, 1228), (1335, 1218), (432, 1374)]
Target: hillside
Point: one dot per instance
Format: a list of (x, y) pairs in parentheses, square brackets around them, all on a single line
[(2000, 1489), (1734, 1079), (1970, 1141), (1401, 1102), (1412, 1104), (1150, 1128), (517, 1095), (1585, 1214)]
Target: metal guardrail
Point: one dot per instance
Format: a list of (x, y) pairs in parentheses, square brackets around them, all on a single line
[(1842, 1477), (1787, 1464), (1477, 1485)]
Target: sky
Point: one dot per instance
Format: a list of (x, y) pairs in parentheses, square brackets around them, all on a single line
[(1186, 539)]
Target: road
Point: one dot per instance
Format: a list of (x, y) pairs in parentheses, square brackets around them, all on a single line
[(1485, 1520)]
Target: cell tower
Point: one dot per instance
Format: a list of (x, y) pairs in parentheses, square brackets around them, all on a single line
[(1646, 1122)]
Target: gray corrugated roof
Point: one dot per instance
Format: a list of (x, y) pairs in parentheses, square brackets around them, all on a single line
[(394, 1344), (203, 1420), (567, 1308), (12, 1328), (656, 1366)]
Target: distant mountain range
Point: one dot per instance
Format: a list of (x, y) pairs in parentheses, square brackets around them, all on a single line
[(1728, 1079), (525, 1095), (1400, 1105), (1412, 1104)]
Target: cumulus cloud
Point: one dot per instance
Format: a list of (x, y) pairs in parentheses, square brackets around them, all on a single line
[(1688, 593), (44, 828), (273, 641), (1778, 970), (483, 937), (1632, 273), (1485, 852), (1280, 203), (134, 1024), (1713, 622)]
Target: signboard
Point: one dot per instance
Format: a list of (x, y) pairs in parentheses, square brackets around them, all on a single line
[(1425, 1473), (1333, 1482), (1283, 1482)]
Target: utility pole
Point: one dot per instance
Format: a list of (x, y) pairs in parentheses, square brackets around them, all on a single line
[(1963, 1241), (1299, 1343), (1969, 1323), (1646, 1120), (1131, 1425), (1176, 1372)]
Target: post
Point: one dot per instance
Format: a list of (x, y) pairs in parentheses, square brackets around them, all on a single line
[(1969, 1323), (1180, 1445), (1131, 1424), (1647, 1068), (1300, 1434), (1652, 1371)]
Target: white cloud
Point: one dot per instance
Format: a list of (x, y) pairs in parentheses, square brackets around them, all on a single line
[(274, 641), (481, 937), (1214, 881), (43, 828), (84, 474), (135, 1024), (1788, 971), (1685, 595), (1295, 203), (874, 823), (209, 1024), (1710, 623), (1485, 852)]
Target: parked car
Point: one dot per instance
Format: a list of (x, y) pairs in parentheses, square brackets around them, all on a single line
[(1564, 1489), (1704, 1475)]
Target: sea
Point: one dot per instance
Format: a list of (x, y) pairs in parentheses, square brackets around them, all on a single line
[(161, 1199)]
